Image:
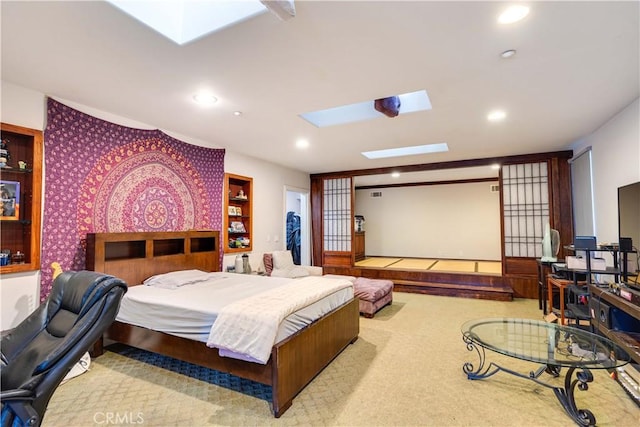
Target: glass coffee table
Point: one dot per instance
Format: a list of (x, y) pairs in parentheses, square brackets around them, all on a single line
[(551, 345)]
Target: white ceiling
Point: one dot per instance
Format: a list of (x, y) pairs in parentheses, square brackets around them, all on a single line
[(576, 66)]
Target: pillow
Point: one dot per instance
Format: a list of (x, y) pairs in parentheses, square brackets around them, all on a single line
[(175, 279), (292, 272), (267, 260), (282, 260)]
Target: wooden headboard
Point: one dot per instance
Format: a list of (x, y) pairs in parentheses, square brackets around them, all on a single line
[(133, 257)]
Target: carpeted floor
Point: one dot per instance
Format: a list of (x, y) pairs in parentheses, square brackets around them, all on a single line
[(404, 370)]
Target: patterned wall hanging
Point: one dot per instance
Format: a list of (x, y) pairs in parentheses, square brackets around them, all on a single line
[(103, 177)]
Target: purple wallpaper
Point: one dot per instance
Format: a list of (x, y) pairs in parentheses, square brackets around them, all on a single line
[(103, 177)]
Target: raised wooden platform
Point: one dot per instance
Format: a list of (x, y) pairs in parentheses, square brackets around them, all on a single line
[(477, 285)]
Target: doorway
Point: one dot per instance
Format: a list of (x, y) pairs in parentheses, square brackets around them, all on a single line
[(297, 221)]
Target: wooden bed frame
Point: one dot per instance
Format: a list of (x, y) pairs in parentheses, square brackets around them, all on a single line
[(294, 362)]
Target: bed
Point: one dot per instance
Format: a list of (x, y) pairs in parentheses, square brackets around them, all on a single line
[(293, 362)]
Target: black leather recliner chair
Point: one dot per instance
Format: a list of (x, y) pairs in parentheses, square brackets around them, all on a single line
[(40, 351)]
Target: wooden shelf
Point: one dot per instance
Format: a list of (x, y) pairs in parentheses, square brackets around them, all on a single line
[(238, 226), (22, 232)]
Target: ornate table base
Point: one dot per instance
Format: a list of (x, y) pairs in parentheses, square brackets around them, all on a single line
[(565, 395)]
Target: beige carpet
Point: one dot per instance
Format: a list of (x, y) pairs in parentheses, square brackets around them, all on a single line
[(404, 370)]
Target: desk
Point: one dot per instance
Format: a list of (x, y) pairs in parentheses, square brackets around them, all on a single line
[(550, 345), (560, 284)]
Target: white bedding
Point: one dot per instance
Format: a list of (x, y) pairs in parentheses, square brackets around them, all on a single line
[(249, 326), (190, 311)]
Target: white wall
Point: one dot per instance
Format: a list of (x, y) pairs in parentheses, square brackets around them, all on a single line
[(455, 221), (616, 162), (21, 106)]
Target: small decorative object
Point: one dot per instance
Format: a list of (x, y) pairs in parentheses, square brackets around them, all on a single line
[(238, 211), (238, 227), (231, 210), (4, 259), (9, 200), (17, 258), (5, 156), (239, 264), (22, 165), (246, 267), (241, 194)]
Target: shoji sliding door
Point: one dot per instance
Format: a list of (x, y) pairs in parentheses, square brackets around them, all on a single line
[(526, 207), (332, 205)]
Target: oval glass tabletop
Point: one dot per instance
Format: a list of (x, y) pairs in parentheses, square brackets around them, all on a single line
[(543, 342)]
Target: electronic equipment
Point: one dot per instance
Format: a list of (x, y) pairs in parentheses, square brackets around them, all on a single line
[(630, 294), (626, 244), (599, 311), (585, 242)]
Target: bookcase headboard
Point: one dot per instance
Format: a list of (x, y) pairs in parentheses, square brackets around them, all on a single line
[(135, 256)]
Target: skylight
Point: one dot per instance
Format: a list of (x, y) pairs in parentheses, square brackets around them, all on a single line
[(409, 103), (185, 20), (406, 151)]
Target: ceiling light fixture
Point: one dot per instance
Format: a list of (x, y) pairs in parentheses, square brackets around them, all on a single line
[(496, 116), (406, 151), (508, 53), (395, 174), (237, 113), (495, 166), (513, 14), (205, 99)]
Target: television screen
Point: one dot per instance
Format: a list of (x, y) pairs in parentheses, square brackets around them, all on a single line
[(629, 218)]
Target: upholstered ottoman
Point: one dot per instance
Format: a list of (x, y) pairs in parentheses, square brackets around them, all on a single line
[(373, 293)]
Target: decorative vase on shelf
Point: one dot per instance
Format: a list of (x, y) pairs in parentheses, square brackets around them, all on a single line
[(246, 267)]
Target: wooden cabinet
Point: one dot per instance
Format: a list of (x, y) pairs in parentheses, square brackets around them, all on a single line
[(21, 183), (358, 245), (238, 213), (617, 317)]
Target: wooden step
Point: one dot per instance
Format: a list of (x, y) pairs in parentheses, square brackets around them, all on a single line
[(496, 293)]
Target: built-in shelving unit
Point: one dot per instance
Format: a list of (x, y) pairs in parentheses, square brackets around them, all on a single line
[(21, 178), (238, 213)]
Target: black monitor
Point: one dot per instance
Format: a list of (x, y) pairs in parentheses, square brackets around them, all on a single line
[(585, 242)]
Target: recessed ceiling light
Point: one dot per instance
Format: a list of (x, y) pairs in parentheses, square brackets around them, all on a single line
[(513, 14), (406, 151), (496, 116), (495, 166), (237, 113), (508, 53), (302, 143), (205, 99), (395, 174)]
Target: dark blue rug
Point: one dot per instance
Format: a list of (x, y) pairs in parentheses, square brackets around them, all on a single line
[(228, 381)]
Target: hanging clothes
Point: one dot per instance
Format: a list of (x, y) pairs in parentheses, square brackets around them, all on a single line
[(293, 236)]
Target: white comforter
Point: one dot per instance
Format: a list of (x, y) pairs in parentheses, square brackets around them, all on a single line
[(249, 326)]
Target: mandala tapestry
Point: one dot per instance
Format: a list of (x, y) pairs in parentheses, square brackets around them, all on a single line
[(101, 177)]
